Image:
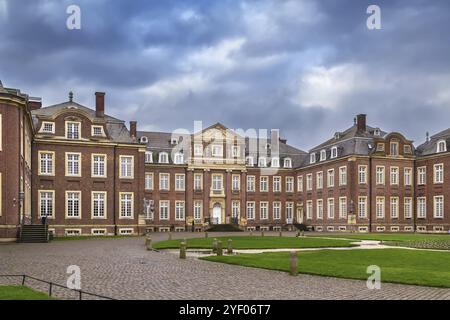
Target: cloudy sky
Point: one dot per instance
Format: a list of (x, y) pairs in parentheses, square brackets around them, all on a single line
[(303, 66)]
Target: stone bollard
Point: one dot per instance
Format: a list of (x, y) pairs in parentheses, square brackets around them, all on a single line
[(230, 246), (183, 250), (298, 234), (219, 248), (148, 243), (206, 234), (262, 233), (170, 235), (302, 234), (214, 245), (293, 264), (281, 233)]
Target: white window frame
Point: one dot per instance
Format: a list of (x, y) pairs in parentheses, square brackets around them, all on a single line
[(276, 184), (251, 183), (421, 207), (263, 184), (102, 131), (198, 150), (323, 155), (319, 209), (380, 207), (105, 204), (217, 150), (263, 210), (394, 207), (250, 208), (180, 211), (436, 210), (438, 174), (198, 181), (343, 176), (42, 129), (164, 204), (362, 207), (96, 165), (198, 209), (180, 182), (362, 174), (330, 208), (439, 144), (422, 176), (342, 207), (407, 207), (299, 183), (52, 204), (68, 124), (394, 176), (128, 173), (309, 182), (74, 164), (319, 180), (148, 158), (380, 175), (334, 152), (330, 178), (289, 184), (161, 186), (276, 210), (149, 180), (122, 214), (163, 157), (312, 158), (78, 216), (235, 182), (287, 163), (53, 158), (407, 176)]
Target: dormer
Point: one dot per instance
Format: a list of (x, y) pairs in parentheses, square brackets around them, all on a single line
[(312, 158), (174, 141), (163, 157), (377, 132), (275, 163), (323, 155), (441, 146), (334, 152), (143, 139), (337, 135), (47, 127), (287, 163), (262, 162)]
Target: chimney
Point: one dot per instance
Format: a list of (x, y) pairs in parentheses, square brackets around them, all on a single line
[(99, 104), (361, 122), (133, 129)]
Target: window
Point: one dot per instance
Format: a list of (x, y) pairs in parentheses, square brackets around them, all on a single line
[(289, 184), (148, 181), (438, 173), (407, 176), (438, 208), (377, 132), (380, 175), (343, 207), (236, 182), (300, 184), (262, 162), (323, 155), (287, 163), (263, 184), (380, 207), (249, 161), (276, 210), (330, 208), (441, 146), (319, 209), (263, 210), (330, 178), (164, 183), (421, 207), (47, 127), (275, 162), (362, 207), (179, 159), (126, 204), (144, 139), (394, 176), (126, 167), (73, 164), (179, 210), (394, 207), (251, 183), (217, 182), (309, 182), (46, 203), (148, 157), (73, 209), (407, 207), (163, 157), (362, 174), (276, 184), (198, 181), (73, 130), (319, 180), (217, 150), (421, 175), (198, 210), (289, 212), (164, 210), (334, 152), (179, 182), (235, 151), (46, 163), (407, 149), (343, 176), (394, 148), (198, 150), (98, 165), (380, 147), (309, 209), (312, 158), (250, 210), (97, 131), (98, 209), (235, 209)]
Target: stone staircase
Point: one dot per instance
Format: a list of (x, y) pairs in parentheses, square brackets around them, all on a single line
[(34, 233)]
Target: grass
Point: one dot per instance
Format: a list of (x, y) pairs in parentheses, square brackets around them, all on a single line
[(21, 293), (256, 242), (393, 236), (415, 267)]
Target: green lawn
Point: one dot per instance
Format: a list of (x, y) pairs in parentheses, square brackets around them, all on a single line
[(391, 236), (397, 265), (21, 293), (256, 242)]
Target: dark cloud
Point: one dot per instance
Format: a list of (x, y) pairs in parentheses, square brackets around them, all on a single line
[(306, 67)]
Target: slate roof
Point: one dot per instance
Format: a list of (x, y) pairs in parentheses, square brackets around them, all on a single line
[(430, 147)]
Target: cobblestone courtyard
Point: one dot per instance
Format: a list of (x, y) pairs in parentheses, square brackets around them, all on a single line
[(123, 269)]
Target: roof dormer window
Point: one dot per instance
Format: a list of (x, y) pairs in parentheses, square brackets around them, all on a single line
[(144, 139), (287, 163), (275, 162), (323, 155), (441, 146), (179, 159), (174, 141), (334, 152), (148, 157), (312, 158), (262, 162), (47, 127), (163, 157), (337, 135), (377, 132), (97, 131), (73, 130), (249, 161)]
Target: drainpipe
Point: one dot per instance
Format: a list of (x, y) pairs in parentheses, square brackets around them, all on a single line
[(114, 192)]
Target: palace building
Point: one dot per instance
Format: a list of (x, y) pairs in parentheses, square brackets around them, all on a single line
[(89, 173)]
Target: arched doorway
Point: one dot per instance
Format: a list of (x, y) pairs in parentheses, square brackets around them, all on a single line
[(217, 214)]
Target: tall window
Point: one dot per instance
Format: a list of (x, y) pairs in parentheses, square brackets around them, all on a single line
[(394, 176), (394, 207), (309, 210), (179, 182), (73, 130), (380, 175), (164, 183), (441, 146), (312, 158), (198, 150), (343, 207), (263, 210), (276, 184), (275, 162), (249, 161), (289, 211), (300, 184), (276, 210), (287, 163), (343, 176), (380, 207), (198, 210), (394, 148), (163, 157), (438, 208), (217, 182), (250, 210), (421, 207), (319, 180), (362, 174), (126, 204), (235, 209), (217, 150), (407, 207), (362, 207), (323, 155), (319, 209), (251, 183), (421, 175), (46, 199), (148, 157), (73, 209), (148, 181), (98, 204), (99, 165), (198, 179), (126, 167), (439, 173), (179, 159), (264, 184), (408, 176), (236, 182), (235, 151), (163, 210), (46, 163), (289, 184), (330, 178), (179, 210), (334, 152), (330, 208), (73, 164), (262, 162), (309, 182)]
